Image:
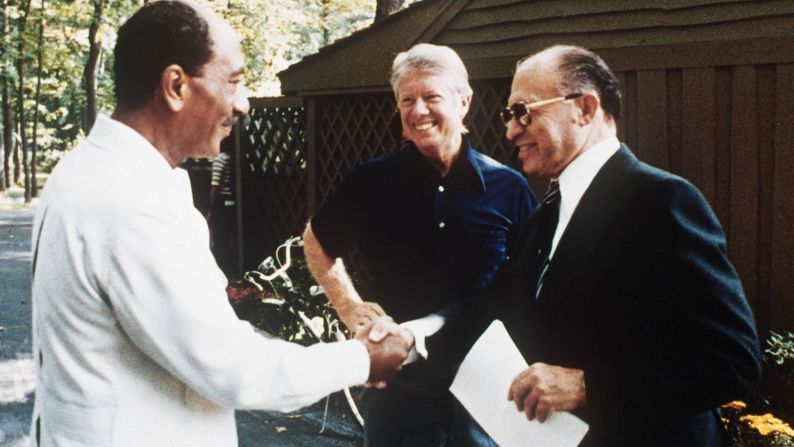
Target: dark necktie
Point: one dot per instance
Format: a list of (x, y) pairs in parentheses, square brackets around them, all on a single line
[(547, 224)]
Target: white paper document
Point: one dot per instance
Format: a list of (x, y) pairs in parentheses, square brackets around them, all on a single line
[(482, 383)]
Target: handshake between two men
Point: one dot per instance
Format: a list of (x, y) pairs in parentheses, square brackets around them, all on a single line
[(388, 345)]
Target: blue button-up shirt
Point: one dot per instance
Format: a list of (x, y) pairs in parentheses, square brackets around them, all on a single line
[(426, 240)]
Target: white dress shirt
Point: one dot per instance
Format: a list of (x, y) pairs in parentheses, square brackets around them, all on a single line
[(135, 341), (576, 178)]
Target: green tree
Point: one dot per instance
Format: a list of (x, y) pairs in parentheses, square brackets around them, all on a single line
[(5, 105), (34, 189), (89, 73), (21, 47), (56, 58), (278, 33)]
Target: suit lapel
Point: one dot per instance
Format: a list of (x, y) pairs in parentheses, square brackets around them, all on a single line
[(523, 268), (598, 207)]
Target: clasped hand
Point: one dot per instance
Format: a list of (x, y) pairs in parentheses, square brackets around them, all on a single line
[(388, 345)]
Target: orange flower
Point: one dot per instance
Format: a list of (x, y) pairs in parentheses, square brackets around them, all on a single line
[(735, 405), (766, 424)]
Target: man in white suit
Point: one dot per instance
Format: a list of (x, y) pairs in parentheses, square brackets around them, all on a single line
[(135, 342)]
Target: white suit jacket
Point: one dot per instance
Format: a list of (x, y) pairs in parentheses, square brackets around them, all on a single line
[(135, 342)]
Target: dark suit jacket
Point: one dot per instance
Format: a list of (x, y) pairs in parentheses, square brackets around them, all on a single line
[(641, 296)]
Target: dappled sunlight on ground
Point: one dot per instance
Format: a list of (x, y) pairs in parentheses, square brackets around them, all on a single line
[(14, 198), (17, 380)]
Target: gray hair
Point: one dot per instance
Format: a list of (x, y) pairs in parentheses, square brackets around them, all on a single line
[(435, 59)]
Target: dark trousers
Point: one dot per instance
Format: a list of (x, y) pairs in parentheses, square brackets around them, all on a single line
[(405, 415)]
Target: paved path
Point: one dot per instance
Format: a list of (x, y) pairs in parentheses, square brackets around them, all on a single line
[(255, 428), (16, 364)]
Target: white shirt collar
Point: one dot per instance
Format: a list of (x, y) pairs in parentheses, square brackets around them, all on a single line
[(576, 178), (113, 135)]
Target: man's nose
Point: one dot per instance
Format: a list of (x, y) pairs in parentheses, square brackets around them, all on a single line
[(513, 129), (420, 107), (241, 104)]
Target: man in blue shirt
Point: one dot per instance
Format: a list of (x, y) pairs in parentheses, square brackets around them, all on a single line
[(433, 222)]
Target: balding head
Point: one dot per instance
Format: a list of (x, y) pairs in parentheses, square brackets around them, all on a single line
[(579, 70), (563, 101)]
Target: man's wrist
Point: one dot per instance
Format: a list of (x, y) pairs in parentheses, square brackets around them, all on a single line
[(421, 329), (345, 306)]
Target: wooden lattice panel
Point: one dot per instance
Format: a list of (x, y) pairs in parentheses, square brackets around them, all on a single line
[(352, 128), (486, 131), (275, 166)]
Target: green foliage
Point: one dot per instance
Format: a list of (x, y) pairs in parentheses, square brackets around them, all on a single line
[(275, 34), (278, 33), (64, 49), (780, 352)]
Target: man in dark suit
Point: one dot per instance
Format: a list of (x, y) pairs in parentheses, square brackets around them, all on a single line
[(622, 300)]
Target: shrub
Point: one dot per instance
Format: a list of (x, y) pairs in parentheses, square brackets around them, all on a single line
[(780, 352), (754, 430)]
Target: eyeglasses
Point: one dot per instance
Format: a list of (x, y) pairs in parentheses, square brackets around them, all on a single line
[(521, 111)]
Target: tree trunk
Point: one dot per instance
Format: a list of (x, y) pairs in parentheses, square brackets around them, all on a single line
[(8, 127), (383, 8), (5, 110), (34, 188), (8, 130), (324, 19), (23, 142), (2, 165), (15, 155), (89, 73)]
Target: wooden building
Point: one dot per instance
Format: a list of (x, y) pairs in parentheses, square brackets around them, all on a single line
[(708, 89)]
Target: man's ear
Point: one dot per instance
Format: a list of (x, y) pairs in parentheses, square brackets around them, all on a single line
[(465, 103), (588, 106), (173, 86)]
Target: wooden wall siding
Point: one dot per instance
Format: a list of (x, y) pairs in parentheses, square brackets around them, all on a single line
[(781, 307), (484, 31), (728, 131), (490, 35)]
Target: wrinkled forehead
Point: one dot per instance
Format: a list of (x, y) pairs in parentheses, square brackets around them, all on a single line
[(535, 79), (422, 80)]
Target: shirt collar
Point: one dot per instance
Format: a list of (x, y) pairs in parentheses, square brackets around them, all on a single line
[(577, 176), (116, 136), (465, 170), (474, 163)]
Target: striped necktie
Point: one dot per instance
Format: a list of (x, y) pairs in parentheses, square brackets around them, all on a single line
[(547, 224)]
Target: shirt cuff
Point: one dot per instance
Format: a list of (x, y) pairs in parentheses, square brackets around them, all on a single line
[(422, 328)]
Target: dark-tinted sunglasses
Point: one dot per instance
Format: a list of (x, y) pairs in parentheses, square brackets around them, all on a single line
[(521, 110)]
